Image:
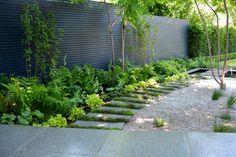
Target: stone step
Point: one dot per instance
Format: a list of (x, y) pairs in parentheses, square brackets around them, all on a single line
[(166, 88), (179, 84), (117, 109), (125, 104), (106, 116), (151, 93), (142, 96), (159, 90), (95, 124), (129, 99)]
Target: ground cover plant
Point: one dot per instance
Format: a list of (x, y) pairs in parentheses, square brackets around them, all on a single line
[(231, 101), (216, 94)]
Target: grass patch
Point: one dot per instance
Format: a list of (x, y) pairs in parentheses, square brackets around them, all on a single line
[(92, 127), (217, 94), (226, 116), (224, 128), (231, 101), (159, 122), (123, 112), (105, 119), (231, 62)]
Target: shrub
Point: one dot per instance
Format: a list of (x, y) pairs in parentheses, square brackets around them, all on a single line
[(164, 68), (159, 122), (216, 94), (57, 121), (231, 101), (94, 101), (76, 113)]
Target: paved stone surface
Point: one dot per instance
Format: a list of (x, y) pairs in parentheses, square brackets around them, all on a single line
[(13, 137), (103, 115), (118, 109), (145, 144), (25, 141), (212, 144), (119, 125)]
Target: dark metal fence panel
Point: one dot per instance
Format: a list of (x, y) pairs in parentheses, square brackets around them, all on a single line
[(86, 39)]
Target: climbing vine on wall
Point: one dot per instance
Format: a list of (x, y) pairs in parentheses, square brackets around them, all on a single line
[(40, 40)]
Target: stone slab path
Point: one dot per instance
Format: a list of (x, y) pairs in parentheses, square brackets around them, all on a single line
[(26, 141), (114, 114)]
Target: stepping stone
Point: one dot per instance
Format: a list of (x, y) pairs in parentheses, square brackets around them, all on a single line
[(94, 124), (125, 104), (106, 116), (143, 96), (173, 86), (129, 99), (152, 93), (118, 109), (166, 88), (159, 90)]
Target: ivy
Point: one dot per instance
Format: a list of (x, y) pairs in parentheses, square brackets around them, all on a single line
[(40, 40)]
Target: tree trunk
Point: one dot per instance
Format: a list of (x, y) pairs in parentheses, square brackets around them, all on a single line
[(208, 41), (227, 42), (123, 45)]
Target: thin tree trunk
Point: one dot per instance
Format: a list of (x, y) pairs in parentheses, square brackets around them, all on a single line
[(123, 28), (208, 41), (218, 39), (227, 42), (111, 36)]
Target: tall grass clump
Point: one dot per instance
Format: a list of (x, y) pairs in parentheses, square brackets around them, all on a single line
[(231, 101), (217, 94)]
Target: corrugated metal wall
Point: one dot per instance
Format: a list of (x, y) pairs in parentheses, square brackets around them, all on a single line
[(86, 40)]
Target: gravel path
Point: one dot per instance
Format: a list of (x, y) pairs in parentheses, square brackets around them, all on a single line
[(186, 109)]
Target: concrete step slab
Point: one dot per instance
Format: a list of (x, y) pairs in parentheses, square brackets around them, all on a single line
[(105, 116), (147, 92), (95, 124), (119, 109), (135, 100), (159, 90), (142, 96), (125, 104)]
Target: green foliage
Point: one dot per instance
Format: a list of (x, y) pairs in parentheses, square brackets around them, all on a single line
[(197, 40), (8, 118), (172, 9), (25, 118), (164, 68), (159, 122), (57, 121), (40, 40), (217, 94), (76, 113), (226, 116), (224, 128), (231, 101), (94, 101)]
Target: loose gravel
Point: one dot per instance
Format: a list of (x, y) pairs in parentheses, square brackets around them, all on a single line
[(186, 109)]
